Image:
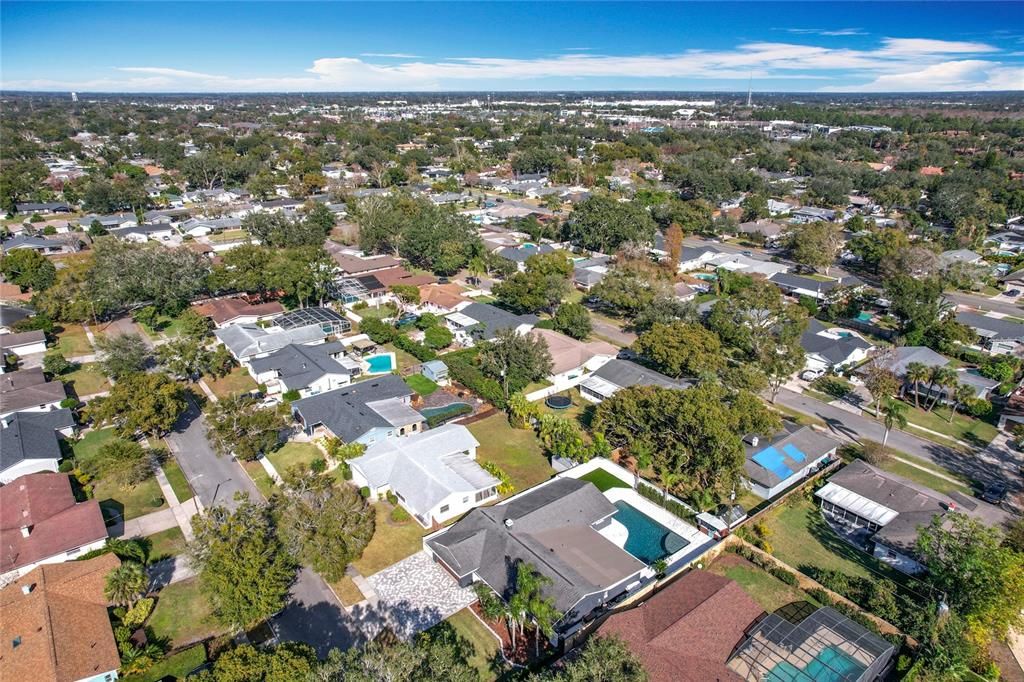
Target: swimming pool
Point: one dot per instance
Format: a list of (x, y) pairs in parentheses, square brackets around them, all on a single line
[(380, 364), (830, 665), (648, 540)]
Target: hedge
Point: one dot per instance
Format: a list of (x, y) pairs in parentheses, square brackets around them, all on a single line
[(417, 350), (462, 368), (439, 418), (657, 497)]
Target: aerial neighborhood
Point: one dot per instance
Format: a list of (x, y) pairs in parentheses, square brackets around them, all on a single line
[(431, 387)]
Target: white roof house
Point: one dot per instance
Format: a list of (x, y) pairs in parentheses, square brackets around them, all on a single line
[(433, 473), (247, 341)]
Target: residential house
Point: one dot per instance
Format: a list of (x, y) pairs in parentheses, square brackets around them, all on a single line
[(27, 390), (891, 510), (30, 441), (572, 360), (695, 258), (683, 291), (966, 256), (309, 370), (433, 473), (687, 631), (555, 528), (228, 311), (11, 315), (897, 360), (617, 374), (829, 349), (812, 214), (818, 289), (998, 336), (799, 643), (201, 227), (140, 234), (23, 343), (353, 265), (399, 276), (765, 230), (367, 412), (47, 247), (28, 208), (42, 523), (246, 342), (110, 221), (441, 299), (481, 322), (519, 254), (588, 272), (55, 624), (774, 464), (776, 207), (329, 321)]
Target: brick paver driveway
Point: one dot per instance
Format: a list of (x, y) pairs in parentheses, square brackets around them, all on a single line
[(416, 593)]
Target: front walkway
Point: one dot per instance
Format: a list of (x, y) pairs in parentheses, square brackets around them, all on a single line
[(416, 593)]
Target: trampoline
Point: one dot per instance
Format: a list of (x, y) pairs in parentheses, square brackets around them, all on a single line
[(558, 402)]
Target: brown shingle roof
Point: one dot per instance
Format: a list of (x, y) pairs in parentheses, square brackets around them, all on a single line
[(687, 631), (61, 625), (393, 276), (354, 265), (222, 310), (44, 503), (442, 295)]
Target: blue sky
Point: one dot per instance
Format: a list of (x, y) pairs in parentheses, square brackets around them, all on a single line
[(333, 47)]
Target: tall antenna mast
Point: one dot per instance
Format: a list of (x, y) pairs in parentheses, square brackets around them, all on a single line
[(750, 92)]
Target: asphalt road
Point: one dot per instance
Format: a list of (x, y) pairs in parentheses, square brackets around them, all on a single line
[(984, 303), (982, 465)]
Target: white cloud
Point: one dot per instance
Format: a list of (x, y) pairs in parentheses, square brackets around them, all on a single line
[(827, 31), (390, 55), (895, 64)]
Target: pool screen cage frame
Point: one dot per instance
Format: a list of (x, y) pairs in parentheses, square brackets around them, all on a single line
[(798, 637), (329, 320)]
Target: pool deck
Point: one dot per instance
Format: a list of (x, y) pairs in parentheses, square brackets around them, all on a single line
[(369, 367), (698, 542)]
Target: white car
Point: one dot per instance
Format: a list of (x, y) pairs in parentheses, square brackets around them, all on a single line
[(811, 374)]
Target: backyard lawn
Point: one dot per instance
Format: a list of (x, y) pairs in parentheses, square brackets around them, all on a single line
[(581, 409), (85, 380), (517, 452), (142, 499), (236, 381), (801, 538), (182, 614), (176, 666), (391, 541), (767, 590), (177, 479), (169, 326), (402, 359), (166, 543), (228, 236), (292, 454), (72, 341), (484, 645), (421, 384), (604, 480), (377, 312)]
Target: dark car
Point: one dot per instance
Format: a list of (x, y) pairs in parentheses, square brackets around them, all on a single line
[(1013, 293), (994, 493)]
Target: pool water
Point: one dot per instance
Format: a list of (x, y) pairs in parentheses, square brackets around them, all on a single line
[(830, 665), (380, 364), (648, 540)]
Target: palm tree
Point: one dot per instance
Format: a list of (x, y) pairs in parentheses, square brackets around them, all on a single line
[(961, 395), (934, 373), (945, 378), (917, 372), (126, 583), (895, 415), (545, 615)]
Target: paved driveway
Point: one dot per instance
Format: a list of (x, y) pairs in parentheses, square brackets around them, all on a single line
[(416, 593), (315, 616)]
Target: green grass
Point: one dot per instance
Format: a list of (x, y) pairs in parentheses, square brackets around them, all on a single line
[(89, 445), (260, 477), (378, 312), (767, 590), (604, 480), (236, 381), (391, 542), (169, 326), (484, 646), (183, 614), (228, 236), (177, 479), (536, 386), (965, 428), (926, 478), (176, 666), (130, 503), (72, 341), (801, 538), (294, 454), (517, 452), (421, 384), (402, 359), (166, 543), (582, 410), (85, 380), (347, 591)]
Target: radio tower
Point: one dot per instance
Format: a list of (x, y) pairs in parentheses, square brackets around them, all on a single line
[(750, 92)]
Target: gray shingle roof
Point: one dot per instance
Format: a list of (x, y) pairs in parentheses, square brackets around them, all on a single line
[(32, 435), (549, 527), (28, 388), (788, 444), (833, 350), (246, 340), (626, 373), (299, 366), (492, 319), (347, 412)]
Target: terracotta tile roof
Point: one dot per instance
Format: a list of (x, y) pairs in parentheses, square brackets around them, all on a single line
[(354, 265), (223, 310), (44, 503), (393, 276), (442, 295), (61, 625), (931, 170), (687, 631), (12, 292)]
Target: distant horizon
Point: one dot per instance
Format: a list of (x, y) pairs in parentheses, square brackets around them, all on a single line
[(452, 93), (336, 47)]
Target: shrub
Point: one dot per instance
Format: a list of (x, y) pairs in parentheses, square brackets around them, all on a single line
[(505, 485), (462, 368), (832, 386), (318, 465), (55, 364), (290, 396), (392, 498), (437, 338), (417, 350), (69, 403), (785, 576), (66, 466), (399, 515), (365, 492), (379, 332), (360, 305), (138, 614), (979, 408)]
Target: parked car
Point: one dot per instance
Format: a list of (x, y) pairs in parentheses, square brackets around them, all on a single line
[(994, 493), (811, 374), (1013, 293)]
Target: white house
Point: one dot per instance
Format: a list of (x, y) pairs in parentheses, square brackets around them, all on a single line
[(30, 441), (307, 369), (23, 343), (433, 473), (246, 342), (774, 464), (830, 348), (572, 361), (481, 322)]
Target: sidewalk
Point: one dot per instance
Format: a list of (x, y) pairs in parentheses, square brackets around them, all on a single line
[(147, 524)]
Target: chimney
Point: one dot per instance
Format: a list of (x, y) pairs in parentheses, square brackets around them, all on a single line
[(26, 589), (754, 441), (508, 523), (26, 531)]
